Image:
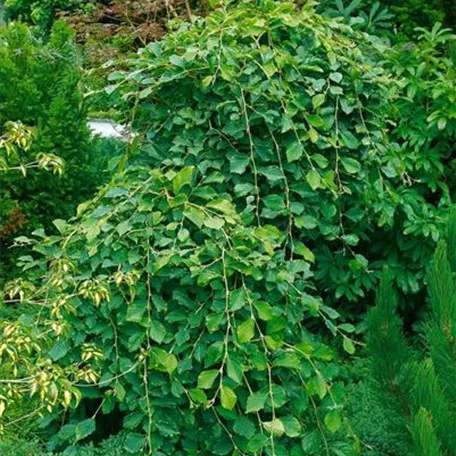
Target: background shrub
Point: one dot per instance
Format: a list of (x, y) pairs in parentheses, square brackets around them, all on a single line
[(40, 86)]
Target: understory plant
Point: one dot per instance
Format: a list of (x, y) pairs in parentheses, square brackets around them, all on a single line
[(416, 387)]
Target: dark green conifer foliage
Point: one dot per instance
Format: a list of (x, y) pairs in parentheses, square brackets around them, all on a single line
[(420, 393)]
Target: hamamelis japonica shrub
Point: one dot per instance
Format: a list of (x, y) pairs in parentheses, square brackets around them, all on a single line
[(187, 295)]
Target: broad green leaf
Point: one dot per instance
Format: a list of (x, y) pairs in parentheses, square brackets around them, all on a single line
[(183, 177), (313, 135), (316, 386), (237, 299), (157, 331), (228, 397), (239, 163), (256, 402), (246, 331), (207, 378), (196, 215), (349, 347), (336, 77), (264, 310), (198, 395), (234, 370), (314, 120), (215, 223), (134, 442), (314, 179), (171, 363), (306, 221), (222, 205), (275, 427), (291, 425), (350, 165), (244, 427), (350, 140), (84, 429), (136, 311), (294, 151), (274, 202), (318, 100), (333, 420), (257, 442), (59, 350)]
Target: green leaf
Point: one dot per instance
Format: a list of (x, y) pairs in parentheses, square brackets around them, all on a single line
[(336, 77), (294, 151), (256, 402), (228, 397), (244, 427), (157, 331), (272, 173), (349, 140), (237, 299), (351, 239), (196, 215), (333, 420), (289, 360), (207, 378), (136, 311), (198, 395), (316, 386), (314, 120), (348, 345), (119, 391), (206, 82), (116, 192), (59, 350), (306, 221), (314, 179), (234, 370), (183, 177), (318, 100), (350, 165), (84, 429), (171, 363), (213, 321), (239, 163), (347, 327), (274, 202), (257, 443), (246, 331), (264, 310), (215, 223), (292, 426), (313, 135), (123, 227), (222, 205), (301, 249), (275, 427), (134, 442)]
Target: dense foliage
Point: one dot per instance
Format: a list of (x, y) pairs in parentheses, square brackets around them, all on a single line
[(39, 86), (419, 393), (284, 123), (208, 298)]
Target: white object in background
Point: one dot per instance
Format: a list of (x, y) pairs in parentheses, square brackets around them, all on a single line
[(107, 129)]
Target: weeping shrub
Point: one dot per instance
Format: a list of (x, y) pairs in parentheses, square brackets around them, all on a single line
[(296, 122), (186, 300)]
